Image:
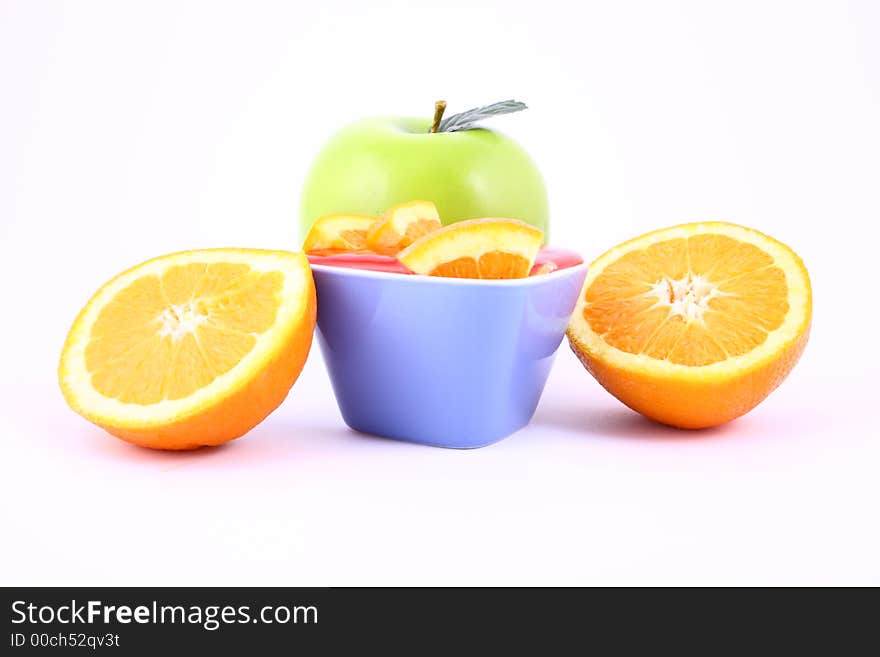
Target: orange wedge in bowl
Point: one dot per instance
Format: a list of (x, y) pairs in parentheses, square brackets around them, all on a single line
[(476, 248), (544, 268), (402, 225), (338, 232), (693, 325), (191, 349)]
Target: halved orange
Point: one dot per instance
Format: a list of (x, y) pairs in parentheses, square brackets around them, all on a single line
[(476, 248), (402, 225), (191, 349), (338, 232), (693, 325)]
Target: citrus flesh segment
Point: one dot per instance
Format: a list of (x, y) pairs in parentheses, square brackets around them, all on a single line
[(476, 248), (543, 268), (339, 232), (402, 225), (693, 325), (193, 348)]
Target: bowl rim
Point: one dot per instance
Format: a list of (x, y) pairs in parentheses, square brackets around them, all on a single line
[(442, 280)]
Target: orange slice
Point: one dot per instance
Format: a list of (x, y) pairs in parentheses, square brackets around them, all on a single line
[(693, 325), (191, 349), (477, 248), (544, 268), (338, 232), (402, 225)]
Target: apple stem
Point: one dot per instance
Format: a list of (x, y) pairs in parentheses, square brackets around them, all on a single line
[(439, 108)]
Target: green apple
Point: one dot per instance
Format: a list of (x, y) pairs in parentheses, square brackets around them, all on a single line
[(374, 164)]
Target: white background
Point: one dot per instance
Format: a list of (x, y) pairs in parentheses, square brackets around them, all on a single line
[(130, 129)]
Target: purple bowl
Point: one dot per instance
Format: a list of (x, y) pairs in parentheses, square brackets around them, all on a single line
[(441, 361)]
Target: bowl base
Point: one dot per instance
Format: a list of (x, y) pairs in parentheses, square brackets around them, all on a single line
[(471, 443)]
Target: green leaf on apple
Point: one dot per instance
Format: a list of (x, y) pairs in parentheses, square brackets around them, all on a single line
[(467, 120)]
